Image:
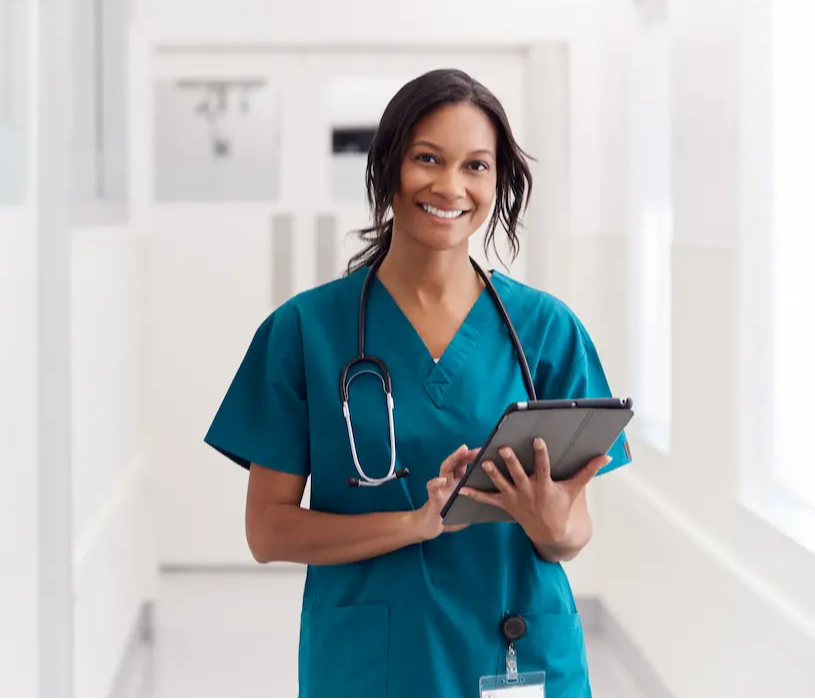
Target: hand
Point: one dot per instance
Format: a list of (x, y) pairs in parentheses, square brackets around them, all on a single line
[(439, 490), (543, 507)]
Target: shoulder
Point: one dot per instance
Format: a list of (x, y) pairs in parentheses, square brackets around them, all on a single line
[(545, 323)]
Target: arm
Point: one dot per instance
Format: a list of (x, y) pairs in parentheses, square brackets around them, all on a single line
[(278, 529)]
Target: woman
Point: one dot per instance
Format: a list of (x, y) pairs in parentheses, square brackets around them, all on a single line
[(395, 604)]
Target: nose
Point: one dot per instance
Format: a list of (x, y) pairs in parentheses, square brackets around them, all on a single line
[(448, 184)]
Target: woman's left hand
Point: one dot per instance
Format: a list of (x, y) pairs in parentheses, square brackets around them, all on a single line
[(543, 507)]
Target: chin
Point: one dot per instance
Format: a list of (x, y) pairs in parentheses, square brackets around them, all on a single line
[(444, 237), (443, 243)]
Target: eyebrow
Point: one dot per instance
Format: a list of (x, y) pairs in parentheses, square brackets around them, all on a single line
[(439, 148)]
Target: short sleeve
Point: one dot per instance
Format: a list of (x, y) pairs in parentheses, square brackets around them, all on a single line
[(586, 379), (263, 418)]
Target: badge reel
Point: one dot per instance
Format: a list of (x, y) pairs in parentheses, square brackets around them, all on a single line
[(513, 683)]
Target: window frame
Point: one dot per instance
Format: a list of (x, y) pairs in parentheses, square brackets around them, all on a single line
[(760, 490)]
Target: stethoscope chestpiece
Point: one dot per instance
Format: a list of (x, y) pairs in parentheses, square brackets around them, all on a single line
[(357, 483)]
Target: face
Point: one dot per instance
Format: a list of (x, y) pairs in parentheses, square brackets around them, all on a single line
[(448, 177)]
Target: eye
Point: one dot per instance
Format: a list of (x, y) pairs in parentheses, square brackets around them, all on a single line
[(426, 158), (479, 166)]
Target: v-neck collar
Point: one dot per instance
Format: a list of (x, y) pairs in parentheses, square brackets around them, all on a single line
[(437, 376)]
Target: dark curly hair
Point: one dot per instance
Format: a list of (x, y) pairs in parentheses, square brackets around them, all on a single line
[(415, 100)]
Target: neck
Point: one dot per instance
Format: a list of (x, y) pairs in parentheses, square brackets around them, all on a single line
[(427, 276)]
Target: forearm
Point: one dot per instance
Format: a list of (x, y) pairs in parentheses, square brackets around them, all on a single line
[(294, 534)]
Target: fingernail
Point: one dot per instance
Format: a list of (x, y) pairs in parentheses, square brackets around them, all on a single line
[(488, 467), (538, 442), (609, 459), (442, 481), (465, 491), (506, 452)]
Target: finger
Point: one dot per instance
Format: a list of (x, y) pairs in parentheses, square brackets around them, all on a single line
[(460, 467), (543, 469), (503, 485), (449, 464), (516, 470), (486, 498), (468, 457), (434, 489), (583, 477)]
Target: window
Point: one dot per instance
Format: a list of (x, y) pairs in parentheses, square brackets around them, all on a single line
[(13, 112), (793, 242), (100, 102), (218, 138), (651, 224), (778, 284)]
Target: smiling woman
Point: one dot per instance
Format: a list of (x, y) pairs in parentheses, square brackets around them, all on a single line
[(397, 603), (457, 155)]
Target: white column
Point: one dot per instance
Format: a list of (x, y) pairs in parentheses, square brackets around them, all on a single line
[(35, 487), (52, 81)]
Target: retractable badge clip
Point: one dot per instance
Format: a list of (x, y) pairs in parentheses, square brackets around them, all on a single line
[(513, 683), (512, 628)]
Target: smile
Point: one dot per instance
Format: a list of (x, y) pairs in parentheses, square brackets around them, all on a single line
[(441, 213)]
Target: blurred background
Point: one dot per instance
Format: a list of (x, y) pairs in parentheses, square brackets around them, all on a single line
[(173, 170)]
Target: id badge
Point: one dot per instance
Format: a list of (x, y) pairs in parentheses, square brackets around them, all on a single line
[(513, 683), (527, 684)]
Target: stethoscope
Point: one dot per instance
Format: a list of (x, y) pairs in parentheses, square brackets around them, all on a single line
[(385, 377)]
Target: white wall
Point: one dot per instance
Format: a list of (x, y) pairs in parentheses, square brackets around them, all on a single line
[(114, 555), (718, 601), (358, 23), (19, 596)]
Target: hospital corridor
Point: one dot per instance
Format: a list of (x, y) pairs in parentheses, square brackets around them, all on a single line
[(439, 348)]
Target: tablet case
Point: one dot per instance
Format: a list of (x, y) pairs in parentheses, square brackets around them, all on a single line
[(575, 432)]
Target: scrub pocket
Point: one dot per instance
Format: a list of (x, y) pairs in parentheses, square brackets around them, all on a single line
[(344, 651), (554, 643)]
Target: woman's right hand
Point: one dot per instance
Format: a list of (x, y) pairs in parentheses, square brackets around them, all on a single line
[(439, 490)]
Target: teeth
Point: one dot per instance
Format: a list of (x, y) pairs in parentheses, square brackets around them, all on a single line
[(441, 214)]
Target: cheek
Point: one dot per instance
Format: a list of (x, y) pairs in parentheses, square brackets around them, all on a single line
[(412, 180), (407, 188), (484, 192)]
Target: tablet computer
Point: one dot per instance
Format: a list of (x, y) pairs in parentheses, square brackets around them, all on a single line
[(575, 432)]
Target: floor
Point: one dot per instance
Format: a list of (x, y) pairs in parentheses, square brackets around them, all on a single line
[(235, 634)]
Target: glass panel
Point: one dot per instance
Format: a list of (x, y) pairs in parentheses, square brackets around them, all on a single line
[(100, 104), (13, 102), (217, 139), (793, 139), (653, 224)]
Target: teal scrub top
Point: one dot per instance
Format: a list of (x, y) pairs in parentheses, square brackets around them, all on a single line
[(424, 620)]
